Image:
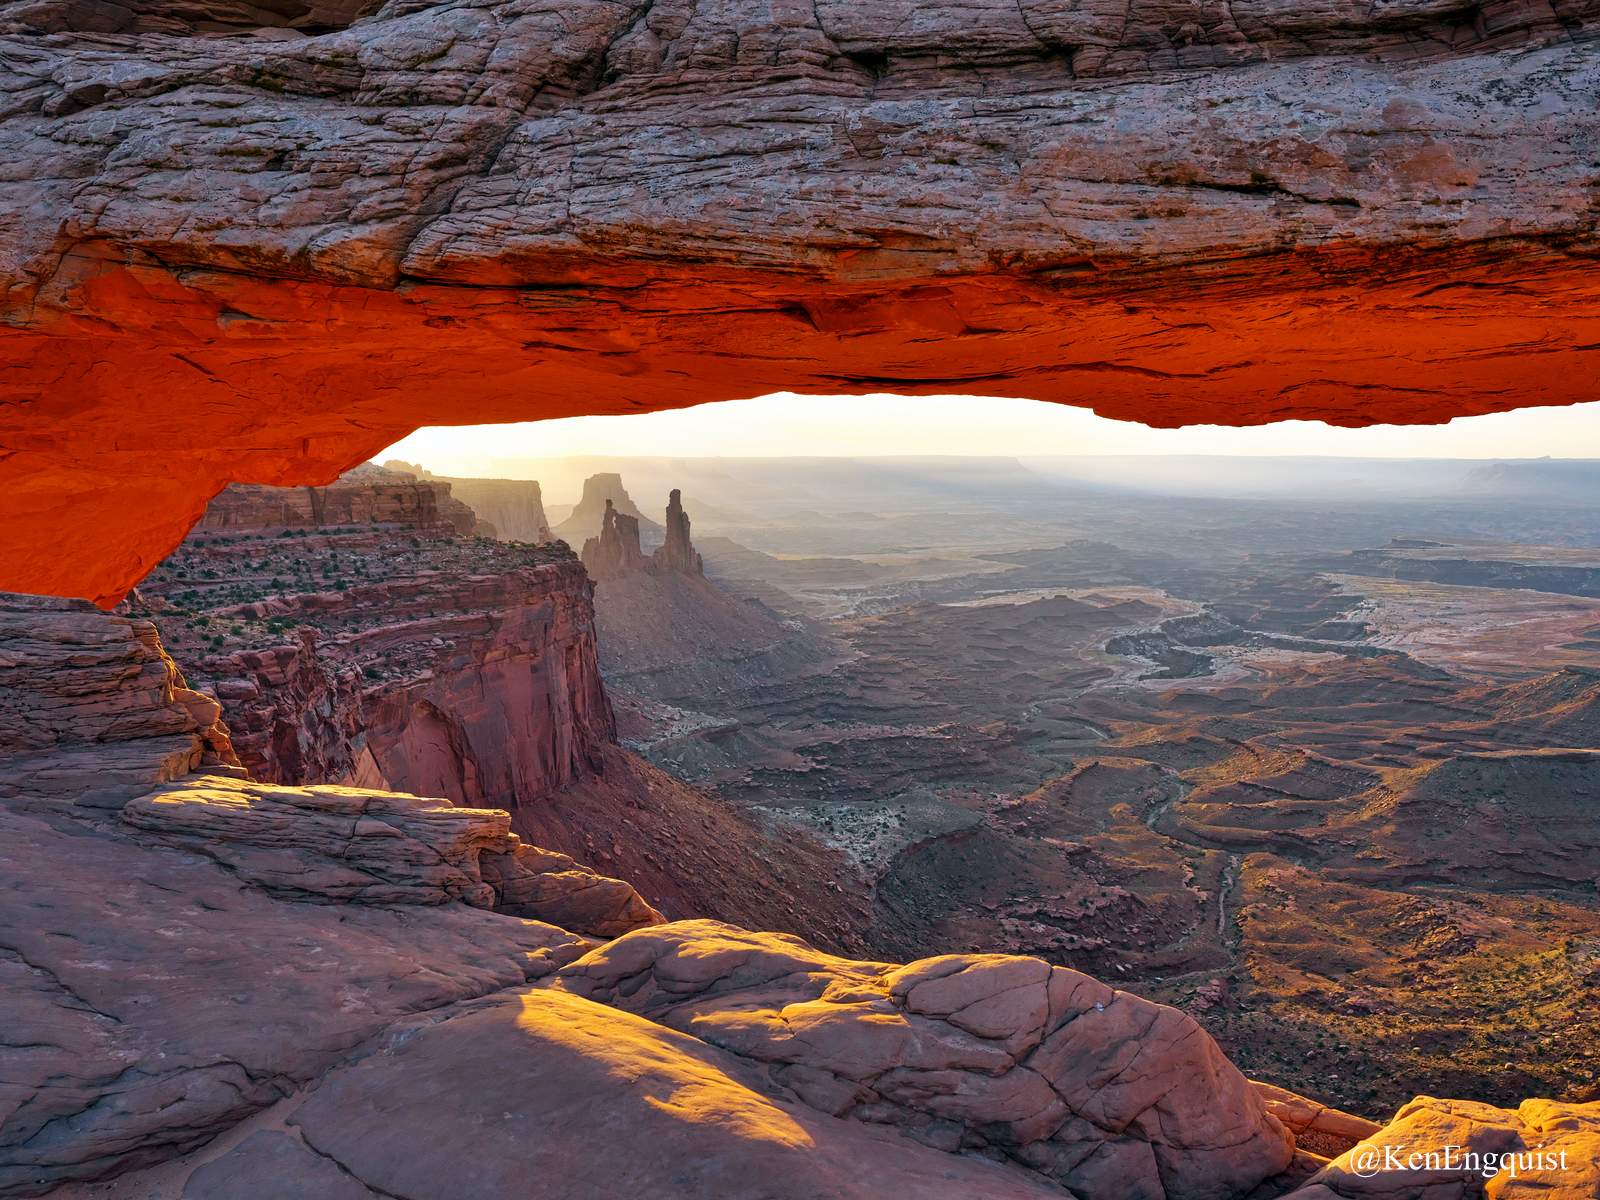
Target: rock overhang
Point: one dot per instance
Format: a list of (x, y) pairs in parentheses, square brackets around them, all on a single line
[(263, 260)]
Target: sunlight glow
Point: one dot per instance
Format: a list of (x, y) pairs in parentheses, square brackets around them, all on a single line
[(789, 425)]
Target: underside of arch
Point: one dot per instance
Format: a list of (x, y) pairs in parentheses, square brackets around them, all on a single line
[(262, 258)]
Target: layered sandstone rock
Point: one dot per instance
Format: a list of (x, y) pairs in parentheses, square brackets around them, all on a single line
[(369, 847), (373, 657), (154, 999), (677, 552), (615, 551), (92, 710), (482, 210), (513, 507), (365, 496), (446, 667)]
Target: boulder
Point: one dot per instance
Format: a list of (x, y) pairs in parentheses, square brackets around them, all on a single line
[(342, 844), (1100, 1091), (1464, 1150)]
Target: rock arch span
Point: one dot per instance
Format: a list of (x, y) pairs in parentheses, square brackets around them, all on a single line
[(263, 257)]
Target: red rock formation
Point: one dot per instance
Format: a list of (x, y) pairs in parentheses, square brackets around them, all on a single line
[(1345, 214), (513, 507), (360, 846), (615, 552), (677, 553), (92, 710), (974, 1052), (365, 496), (484, 690)]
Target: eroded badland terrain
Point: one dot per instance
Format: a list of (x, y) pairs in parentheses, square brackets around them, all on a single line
[(1318, 779), (1324, 781), (1310, 784)]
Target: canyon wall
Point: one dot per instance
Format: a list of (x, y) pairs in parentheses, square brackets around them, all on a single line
[(485, 690), (514, 507), (367, 495), (485, 211), (356, 637)]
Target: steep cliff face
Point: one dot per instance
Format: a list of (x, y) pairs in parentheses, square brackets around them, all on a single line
[(364, 496), (514, 507), (388, 652), (495, 211), (376, 657), (485, 690)]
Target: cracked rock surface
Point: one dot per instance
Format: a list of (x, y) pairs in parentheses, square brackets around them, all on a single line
[(1100, 1091), (260, 241)]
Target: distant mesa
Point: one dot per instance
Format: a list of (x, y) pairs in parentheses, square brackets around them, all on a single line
[(513, 507), (602, 491), (367, 495)]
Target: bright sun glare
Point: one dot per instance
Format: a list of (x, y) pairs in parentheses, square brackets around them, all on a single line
[(786, 424)]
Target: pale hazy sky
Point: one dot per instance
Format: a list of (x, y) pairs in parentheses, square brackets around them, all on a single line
[(786, 424)]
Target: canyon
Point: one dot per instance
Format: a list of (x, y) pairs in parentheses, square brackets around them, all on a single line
[(401, 653), (1180, 216), (445, 946), (955, 827), (1228, 759)]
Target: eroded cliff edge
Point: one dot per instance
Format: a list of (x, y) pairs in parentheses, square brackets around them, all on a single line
[(263, 257)]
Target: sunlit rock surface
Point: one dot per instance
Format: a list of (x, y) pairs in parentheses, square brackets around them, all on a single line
[(92, 711), (1098, 1090), (367, 847), (481, 210)]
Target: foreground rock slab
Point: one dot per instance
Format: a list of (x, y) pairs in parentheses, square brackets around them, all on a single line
[(538, 1093), (368, 847), (1098, 1090), (153, 999)]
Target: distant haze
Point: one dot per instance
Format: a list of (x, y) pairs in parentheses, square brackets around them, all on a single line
[(787, 425)]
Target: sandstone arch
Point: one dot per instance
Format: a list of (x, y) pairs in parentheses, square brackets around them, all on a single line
[(265, 256)]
